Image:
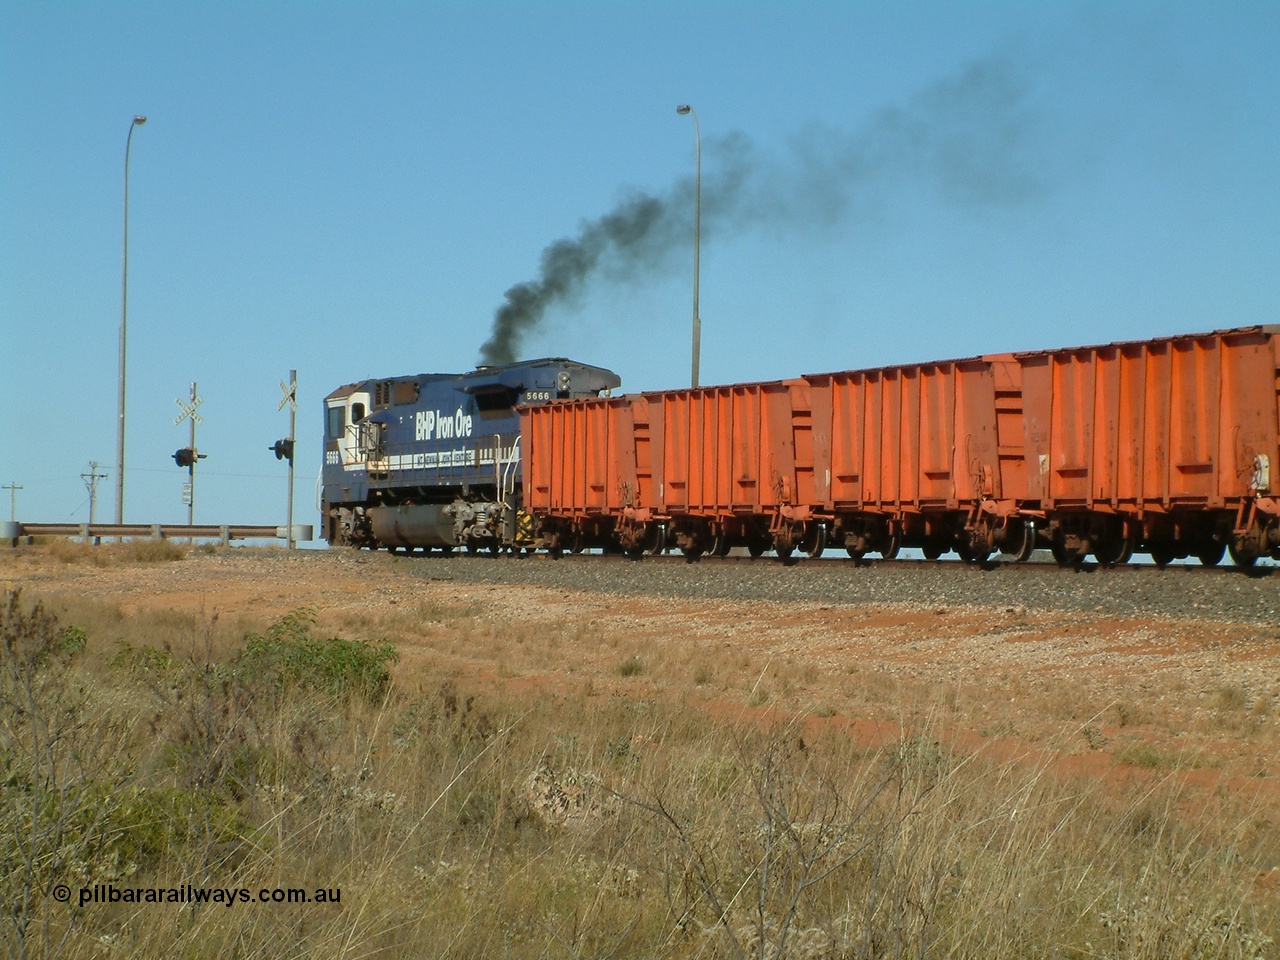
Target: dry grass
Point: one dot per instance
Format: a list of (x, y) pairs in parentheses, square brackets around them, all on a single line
[(469, 823), (116, 554)]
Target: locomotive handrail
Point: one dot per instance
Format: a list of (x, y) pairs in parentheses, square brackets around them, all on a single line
[(510, 467)]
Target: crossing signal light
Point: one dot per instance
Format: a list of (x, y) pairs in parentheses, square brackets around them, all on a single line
[(184, 457), (283, 449)]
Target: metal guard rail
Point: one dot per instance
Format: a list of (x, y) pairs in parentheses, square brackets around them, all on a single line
[(15, 530)]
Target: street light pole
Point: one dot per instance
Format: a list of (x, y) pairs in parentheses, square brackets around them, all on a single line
[(124, 322), (697, 230)]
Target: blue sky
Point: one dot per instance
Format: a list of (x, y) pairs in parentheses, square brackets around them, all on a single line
[(349, 190)]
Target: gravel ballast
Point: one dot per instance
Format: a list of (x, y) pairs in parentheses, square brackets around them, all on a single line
[(1177, 592)]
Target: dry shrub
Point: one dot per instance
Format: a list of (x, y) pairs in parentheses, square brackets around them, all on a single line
[(461, 823)]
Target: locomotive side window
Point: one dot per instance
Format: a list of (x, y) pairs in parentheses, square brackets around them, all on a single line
[(357, 412), (337, 422)]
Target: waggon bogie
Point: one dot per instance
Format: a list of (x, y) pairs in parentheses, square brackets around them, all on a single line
[(861, 534)]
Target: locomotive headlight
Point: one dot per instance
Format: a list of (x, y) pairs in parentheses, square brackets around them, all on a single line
[(563, 381)]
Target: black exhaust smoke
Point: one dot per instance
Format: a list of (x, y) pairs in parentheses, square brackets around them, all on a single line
[(966, 136)]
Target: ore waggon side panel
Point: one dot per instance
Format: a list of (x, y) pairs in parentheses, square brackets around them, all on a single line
[(729, 463), (914, 458), (1164, 445), (591, 470)]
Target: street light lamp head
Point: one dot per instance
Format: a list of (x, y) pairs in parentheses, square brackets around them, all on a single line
[(139, 121), (683, 109)]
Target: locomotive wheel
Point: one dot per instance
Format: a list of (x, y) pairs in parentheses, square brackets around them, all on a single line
[(1212, 555), (1242, 558)]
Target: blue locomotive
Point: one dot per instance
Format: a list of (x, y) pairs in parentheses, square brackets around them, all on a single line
[(434, 460)]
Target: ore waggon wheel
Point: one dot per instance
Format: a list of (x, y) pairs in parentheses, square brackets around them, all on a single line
[(1242, 557), (1020, 541), (1113, 552), (1068, 556), (1212, 554), (815, 540)]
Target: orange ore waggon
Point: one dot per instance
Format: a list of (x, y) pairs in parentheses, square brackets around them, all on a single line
[(1163, 446)]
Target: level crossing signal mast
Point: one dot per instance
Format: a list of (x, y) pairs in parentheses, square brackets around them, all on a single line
[(188, 455), (283, 448)]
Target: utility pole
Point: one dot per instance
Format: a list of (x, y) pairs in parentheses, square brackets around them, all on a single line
[(13, 489), (91, 483)]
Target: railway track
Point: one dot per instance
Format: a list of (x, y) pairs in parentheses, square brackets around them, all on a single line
[(1048, 566), (1184, 592), (1035, 566)]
